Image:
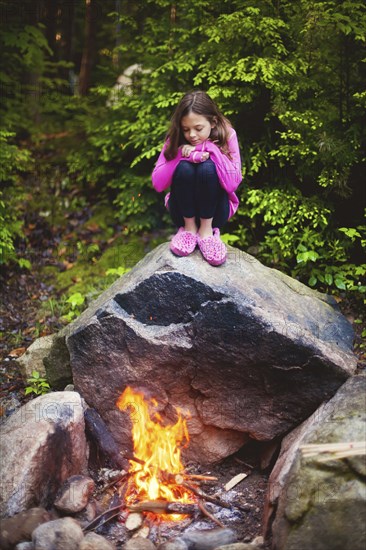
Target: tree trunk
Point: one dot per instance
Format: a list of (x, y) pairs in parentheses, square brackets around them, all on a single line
[(68, 42), (88, 50), (50, 31)]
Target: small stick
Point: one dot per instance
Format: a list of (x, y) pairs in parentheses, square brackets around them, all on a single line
[(132, 457), (203, 478), (202, 495), (240, 461), (209, 515), (334, 450), (162, 507), (110, 513)]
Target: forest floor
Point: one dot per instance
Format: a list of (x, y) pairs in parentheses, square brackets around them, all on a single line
[(76, 252)]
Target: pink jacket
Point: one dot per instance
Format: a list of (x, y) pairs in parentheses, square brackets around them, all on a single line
[(228, 169)]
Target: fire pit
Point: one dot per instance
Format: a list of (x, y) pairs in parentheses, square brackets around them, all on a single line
[(161, 498)]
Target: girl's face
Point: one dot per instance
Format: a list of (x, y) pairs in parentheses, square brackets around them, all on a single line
[(196, 128)]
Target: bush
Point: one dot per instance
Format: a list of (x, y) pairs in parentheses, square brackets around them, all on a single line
[(12, 161)]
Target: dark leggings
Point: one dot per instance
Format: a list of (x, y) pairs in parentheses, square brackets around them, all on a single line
[(196, 192)]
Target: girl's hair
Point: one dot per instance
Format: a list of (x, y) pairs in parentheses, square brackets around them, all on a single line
[(200, 103)]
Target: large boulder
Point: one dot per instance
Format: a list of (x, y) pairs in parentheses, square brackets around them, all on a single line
[(319, 502), (246, 350), (41, 445)]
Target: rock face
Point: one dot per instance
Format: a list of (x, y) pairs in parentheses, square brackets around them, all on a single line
[(32, 359), (322, 505), (245, 349), (41, 445)]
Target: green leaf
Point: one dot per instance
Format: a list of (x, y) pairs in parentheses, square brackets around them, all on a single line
[(339, 283), (328, 278), (312, 281)]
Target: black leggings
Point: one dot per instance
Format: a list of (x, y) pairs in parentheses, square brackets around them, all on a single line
[(196, 192)]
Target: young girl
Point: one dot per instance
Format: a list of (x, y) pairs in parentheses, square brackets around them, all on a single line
[(200, 161)]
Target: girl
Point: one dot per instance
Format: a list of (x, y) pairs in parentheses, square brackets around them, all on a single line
[(200, 160)]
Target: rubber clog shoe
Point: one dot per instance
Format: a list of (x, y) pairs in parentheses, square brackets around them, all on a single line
[(183, 243), (212, 248)]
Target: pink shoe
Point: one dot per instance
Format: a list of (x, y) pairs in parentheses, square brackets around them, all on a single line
[(212, 248), (183, 243)]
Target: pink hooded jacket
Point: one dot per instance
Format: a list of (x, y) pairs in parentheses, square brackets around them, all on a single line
[(228, 169)]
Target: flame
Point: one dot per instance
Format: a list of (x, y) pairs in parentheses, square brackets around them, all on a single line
[(159, 446)]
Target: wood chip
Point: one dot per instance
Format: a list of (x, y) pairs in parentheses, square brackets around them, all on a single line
[(234, 481), (134, 521)]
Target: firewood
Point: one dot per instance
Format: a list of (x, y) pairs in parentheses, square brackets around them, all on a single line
[(98, 431), (234, 481), (201, 477), (162, 507), (208, 498), (134, 521), (333, 450), (208, 514)]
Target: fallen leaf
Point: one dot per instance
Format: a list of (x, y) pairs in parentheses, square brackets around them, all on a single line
[(17, 352), (93, 227)]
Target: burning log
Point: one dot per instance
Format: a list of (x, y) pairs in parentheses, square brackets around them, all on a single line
[(99, 432), (163, 507)]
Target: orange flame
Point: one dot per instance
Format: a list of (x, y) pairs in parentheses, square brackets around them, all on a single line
[(159, 446)]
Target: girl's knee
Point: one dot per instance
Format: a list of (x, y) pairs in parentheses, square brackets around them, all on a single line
[(184, 170), (207, 171)]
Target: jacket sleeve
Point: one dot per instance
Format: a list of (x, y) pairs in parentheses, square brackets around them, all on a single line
[(228, 168), (164, 169)]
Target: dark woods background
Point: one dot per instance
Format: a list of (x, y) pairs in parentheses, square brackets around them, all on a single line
[(290, 75)]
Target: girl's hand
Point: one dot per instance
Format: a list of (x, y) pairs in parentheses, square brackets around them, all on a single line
[(205, 155), (187, 150)]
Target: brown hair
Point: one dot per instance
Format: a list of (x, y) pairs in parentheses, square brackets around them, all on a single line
[(200, 103)]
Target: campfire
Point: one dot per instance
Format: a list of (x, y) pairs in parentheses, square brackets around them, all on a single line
[(156, 480), (154, 489)]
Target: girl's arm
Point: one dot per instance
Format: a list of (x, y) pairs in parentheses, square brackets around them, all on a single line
[(162, 174), (228, 168), (164, 169)]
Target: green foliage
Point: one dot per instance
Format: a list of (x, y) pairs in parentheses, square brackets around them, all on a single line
[(12, 161), (117, 271), (289, 75), (37, 384), (74, 304), (295, 234)]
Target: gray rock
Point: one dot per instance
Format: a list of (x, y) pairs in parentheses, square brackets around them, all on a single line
[(87, 515), (41, 445), (74, 494), (322, 503), (139, 543), (246, 350), (21, 526), (60, 534), (237, 546), (24, 546), (57, 362), (174, 544), (33, 357), (92, 541), (8, 405), (208, 539)]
